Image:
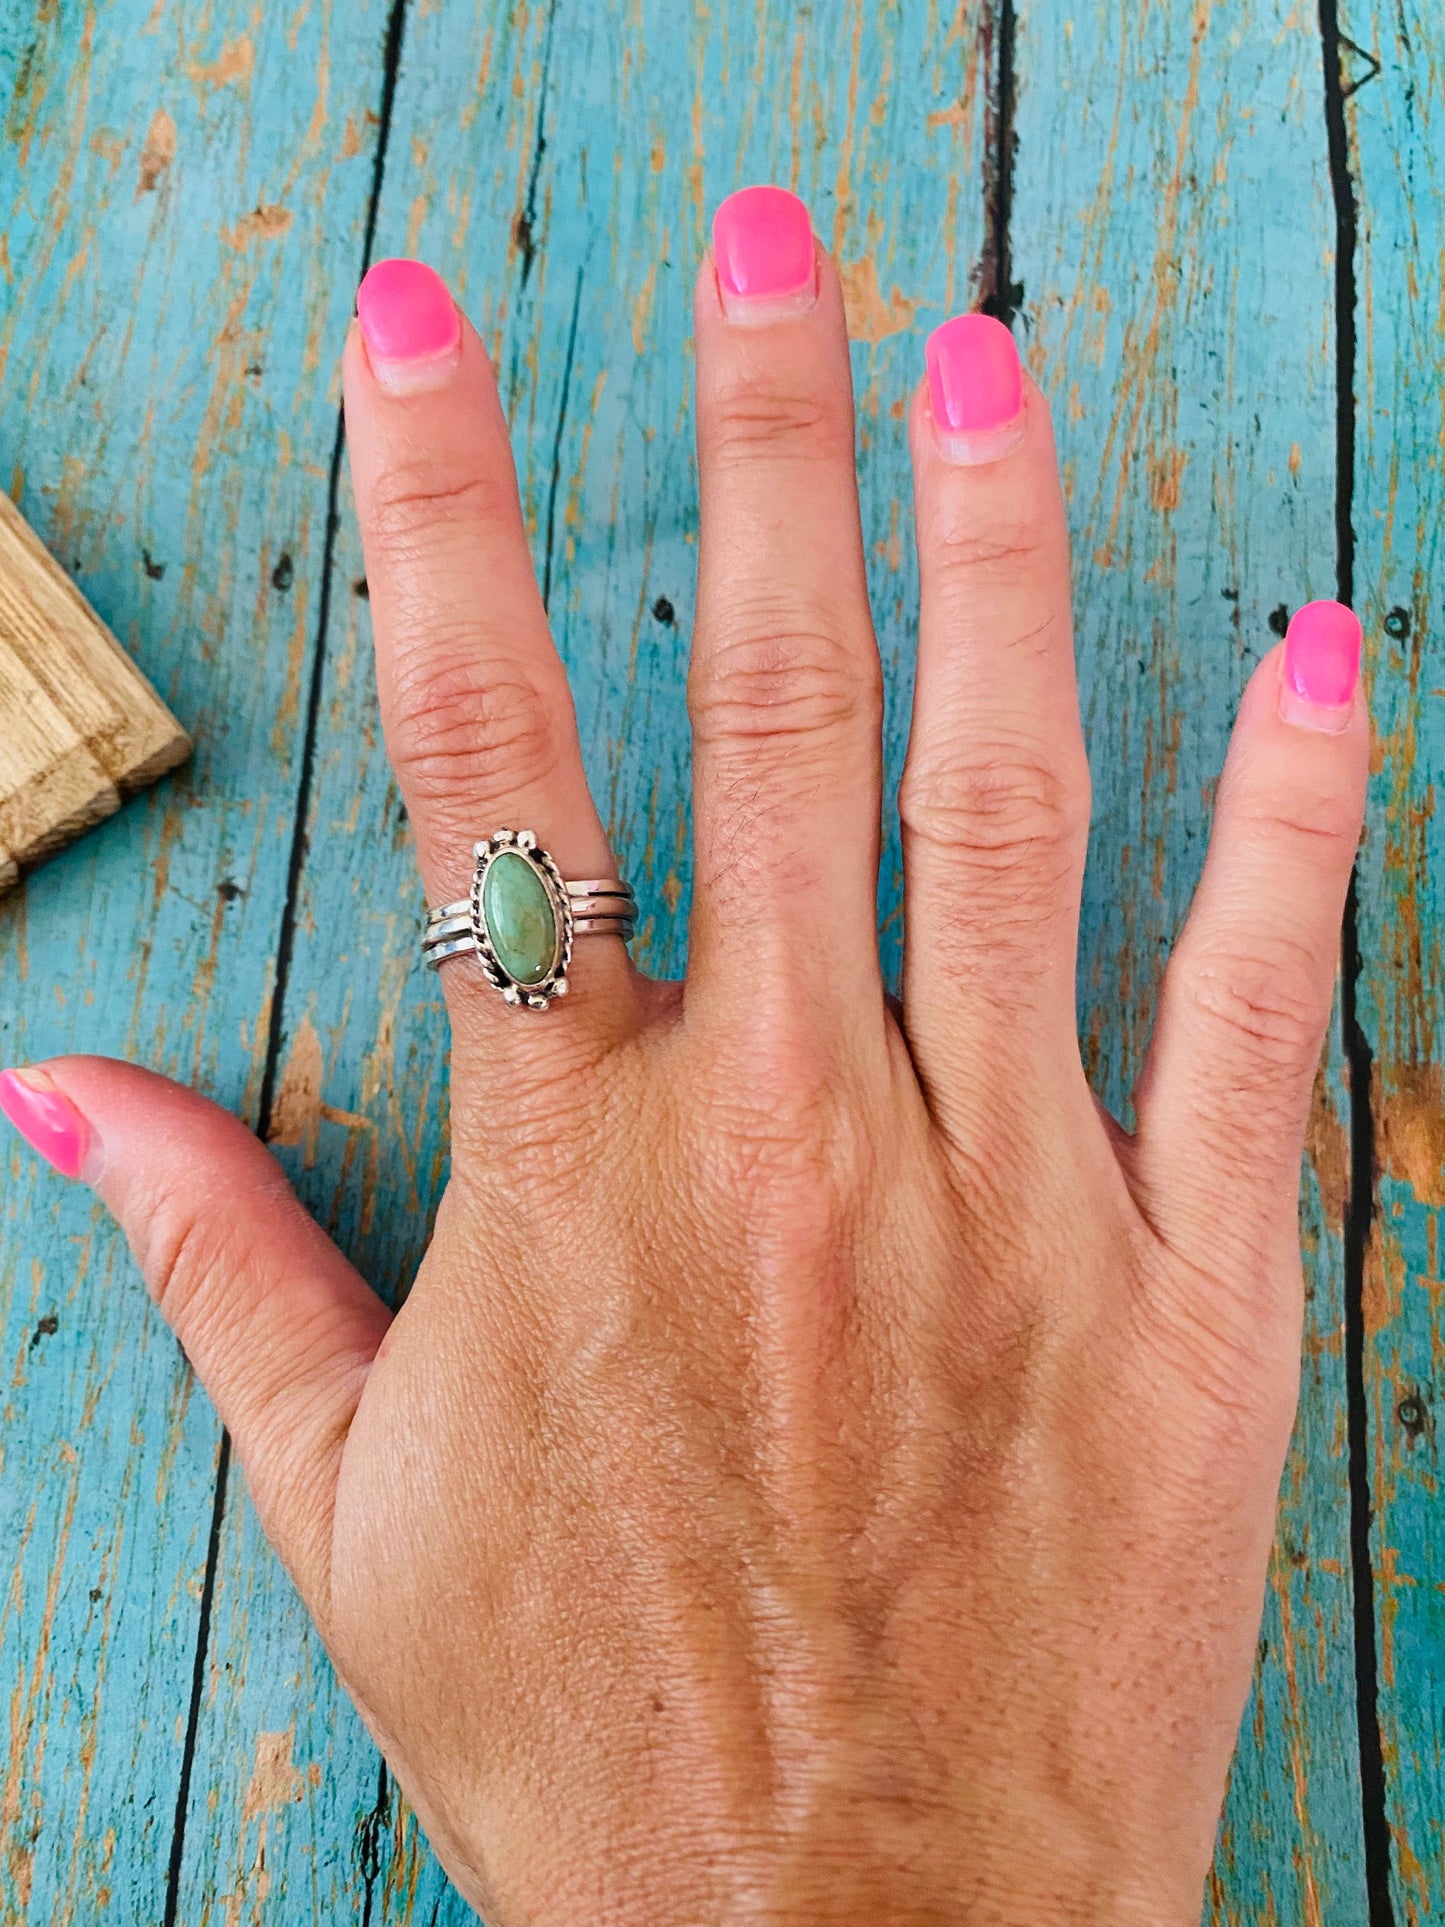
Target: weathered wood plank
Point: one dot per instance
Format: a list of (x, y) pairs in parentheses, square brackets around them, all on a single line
[(1172, 231), (649, 115), (1149, 236), (1396, 121), (185, 192)]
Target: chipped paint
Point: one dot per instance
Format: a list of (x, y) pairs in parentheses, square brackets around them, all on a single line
[(236, 62), (1411, 1115), (1327, 1148), (274, 1781), (158, 153), (265, 222), (872, 316)]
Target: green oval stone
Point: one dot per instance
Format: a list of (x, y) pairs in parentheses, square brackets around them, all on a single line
[(521, 922)]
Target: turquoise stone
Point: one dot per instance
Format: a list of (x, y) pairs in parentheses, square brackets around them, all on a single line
[(521, 922)]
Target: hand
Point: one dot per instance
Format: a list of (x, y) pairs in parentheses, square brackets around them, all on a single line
[(825, 1469)]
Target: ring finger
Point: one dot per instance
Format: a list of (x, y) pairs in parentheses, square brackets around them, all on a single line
[(474, 698)]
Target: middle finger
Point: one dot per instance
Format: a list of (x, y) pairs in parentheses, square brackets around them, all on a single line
[(995, 795), (785, 687)]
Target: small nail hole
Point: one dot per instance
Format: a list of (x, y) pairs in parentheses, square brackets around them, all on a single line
[(1398, 625)]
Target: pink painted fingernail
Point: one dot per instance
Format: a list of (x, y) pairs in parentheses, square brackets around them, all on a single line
[(410, 325), (46, 1119), (975, 389), (762, 241), (1321, 667)]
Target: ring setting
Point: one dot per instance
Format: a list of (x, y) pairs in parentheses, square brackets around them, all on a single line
[(522, 918)]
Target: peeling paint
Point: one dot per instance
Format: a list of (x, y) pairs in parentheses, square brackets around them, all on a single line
[(158, 153)]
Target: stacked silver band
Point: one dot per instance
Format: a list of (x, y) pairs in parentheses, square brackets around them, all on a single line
[(600, 906)]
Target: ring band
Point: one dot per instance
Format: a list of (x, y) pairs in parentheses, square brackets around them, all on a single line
[(522, 917)]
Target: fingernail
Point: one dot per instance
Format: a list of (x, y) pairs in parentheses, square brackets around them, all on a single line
[(1321, 667), (762, 242), (975, 389), (410, 325), (46, 1119)]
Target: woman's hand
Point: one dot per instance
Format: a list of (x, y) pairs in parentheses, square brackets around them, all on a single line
[(825, 1470)]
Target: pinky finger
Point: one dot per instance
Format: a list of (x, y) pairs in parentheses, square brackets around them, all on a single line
[(1224, 1101)]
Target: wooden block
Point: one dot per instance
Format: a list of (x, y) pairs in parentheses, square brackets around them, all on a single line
[(80, 727)]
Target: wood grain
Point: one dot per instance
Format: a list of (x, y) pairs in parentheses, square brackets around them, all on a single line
[(1395, 74), (80, 727), (179, 186)]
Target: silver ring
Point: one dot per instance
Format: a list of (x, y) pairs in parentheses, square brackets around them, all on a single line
[(520, 920)]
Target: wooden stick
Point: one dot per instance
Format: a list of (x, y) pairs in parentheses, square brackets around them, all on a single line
[(80, 727)]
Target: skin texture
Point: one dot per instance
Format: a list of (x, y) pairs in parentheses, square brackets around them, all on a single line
[(824, 1470)]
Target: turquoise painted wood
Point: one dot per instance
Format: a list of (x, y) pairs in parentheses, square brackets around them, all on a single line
[(1172, 233), (187, 199), (1396, 119), (172, 262)]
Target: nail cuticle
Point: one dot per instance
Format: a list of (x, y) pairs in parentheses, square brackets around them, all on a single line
[(414, 377), (978, 449), (752, 312), (1326, 719)]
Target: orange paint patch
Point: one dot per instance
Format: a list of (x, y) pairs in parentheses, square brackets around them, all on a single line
[(1328, 1149), (1166, 478), (264, 223), (275, 1782), (1412, 1130), (158, 153), (236, 61), (300, 1109), (642, 310), (871, 316)]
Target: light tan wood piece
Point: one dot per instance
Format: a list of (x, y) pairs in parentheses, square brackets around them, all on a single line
[(80, 727)]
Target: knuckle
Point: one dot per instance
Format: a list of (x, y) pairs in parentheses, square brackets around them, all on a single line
[(1000, 812), (415, 499), (1328, 822), (792, 1155), (778, 678), (751, 417), (1267, 996), (1320, 826), (462, 723), (1235, 1345), (964, 549), (189, 1256)]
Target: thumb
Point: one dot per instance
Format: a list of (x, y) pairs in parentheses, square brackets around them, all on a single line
[(280, 1328)]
